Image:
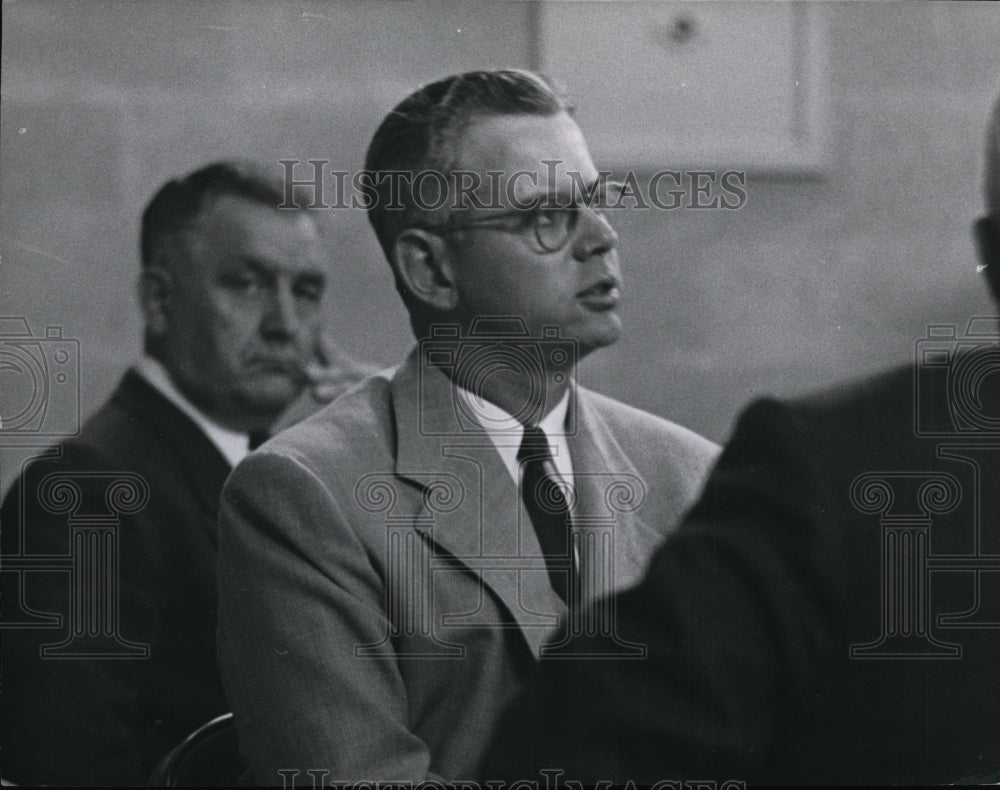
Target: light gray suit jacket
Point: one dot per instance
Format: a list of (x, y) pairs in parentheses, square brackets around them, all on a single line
[(382, 590)]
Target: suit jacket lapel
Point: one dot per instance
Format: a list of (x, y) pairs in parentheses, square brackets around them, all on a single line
[(205, 467), (490, 532), (609, 490)]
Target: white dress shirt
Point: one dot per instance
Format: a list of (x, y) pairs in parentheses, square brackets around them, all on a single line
[(506, 432), (233, 445)]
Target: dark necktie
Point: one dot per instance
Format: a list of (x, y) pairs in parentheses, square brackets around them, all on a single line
[(257, 438), (547, 506)]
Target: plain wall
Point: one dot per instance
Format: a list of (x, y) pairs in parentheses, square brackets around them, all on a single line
[(817, 278)]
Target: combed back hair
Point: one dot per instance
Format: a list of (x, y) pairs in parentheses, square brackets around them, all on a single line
[(419, 133), (178, 202)]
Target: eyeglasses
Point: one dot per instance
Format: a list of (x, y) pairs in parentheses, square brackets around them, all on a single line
[(551, 222)]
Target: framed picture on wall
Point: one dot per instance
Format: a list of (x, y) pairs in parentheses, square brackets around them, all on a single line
[(664, 84)]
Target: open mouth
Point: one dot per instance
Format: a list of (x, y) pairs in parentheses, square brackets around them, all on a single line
[(603, 294)]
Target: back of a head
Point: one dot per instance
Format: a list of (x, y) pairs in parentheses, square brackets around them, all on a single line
[(178, 202), (419, 133), (987, 228), (991, 171)]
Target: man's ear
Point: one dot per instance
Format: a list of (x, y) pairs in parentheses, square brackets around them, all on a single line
[(155, 283), (425, 266), (987, 230)]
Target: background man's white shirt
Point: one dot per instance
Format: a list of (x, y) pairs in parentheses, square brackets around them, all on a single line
[(233, 445)]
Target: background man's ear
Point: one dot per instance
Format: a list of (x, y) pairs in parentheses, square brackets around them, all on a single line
[(155, 283), (425, 266)]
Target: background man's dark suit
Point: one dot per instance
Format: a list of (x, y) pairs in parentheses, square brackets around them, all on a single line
[(783, 559), (126, 713), (129, 712), (231, 290)]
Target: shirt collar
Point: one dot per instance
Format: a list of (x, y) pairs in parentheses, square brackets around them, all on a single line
[(506, 432), (233, 445)]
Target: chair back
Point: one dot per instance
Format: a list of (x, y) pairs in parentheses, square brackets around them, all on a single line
[(208, 757)]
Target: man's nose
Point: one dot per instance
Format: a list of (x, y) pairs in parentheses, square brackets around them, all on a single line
[(594, 235), (280, 320)]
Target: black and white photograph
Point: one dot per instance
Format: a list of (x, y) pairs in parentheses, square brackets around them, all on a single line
[(526, 394)]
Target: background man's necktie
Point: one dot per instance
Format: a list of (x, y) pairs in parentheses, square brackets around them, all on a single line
[(546, 504)]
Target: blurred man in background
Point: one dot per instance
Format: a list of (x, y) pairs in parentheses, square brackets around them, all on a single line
[(390, 567), (232, 292), (829, 611)]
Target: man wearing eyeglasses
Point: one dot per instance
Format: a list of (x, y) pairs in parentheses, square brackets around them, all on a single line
[(391, 570)]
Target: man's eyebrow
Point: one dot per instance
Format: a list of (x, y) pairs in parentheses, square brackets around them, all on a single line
[(544, 197), (257, 264), (271, 269), (312, 276), (573, 192)]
